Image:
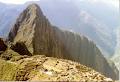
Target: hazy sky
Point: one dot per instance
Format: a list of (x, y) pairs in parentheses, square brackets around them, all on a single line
[(16, 1), (114, 3)]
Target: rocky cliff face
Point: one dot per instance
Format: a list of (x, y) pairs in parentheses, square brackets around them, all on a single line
[(3, 47), (40, 37)]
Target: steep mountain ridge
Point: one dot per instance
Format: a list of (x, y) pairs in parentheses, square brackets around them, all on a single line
[(99, 31), (40, 37), (35, 31), (104, 39)]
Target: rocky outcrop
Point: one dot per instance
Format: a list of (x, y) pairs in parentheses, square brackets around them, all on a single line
[(12, 55), (41, 68), (40, 37), (37, 34), (20, 48), (3, 46)]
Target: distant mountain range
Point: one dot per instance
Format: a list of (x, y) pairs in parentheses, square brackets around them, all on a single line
[(94, 21)]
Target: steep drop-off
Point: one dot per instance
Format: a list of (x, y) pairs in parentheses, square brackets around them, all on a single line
[(40, 37)]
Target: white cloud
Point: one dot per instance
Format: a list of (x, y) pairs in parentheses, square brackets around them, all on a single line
[(16, 1)]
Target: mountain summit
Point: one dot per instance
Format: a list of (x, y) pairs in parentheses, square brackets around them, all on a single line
[(40, 37), (36, 32), (28, 16)]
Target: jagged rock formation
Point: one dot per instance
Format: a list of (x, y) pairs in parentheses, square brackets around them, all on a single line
[(35, 31), (3, 46), (40, 37), (41, 68), (20, 48)]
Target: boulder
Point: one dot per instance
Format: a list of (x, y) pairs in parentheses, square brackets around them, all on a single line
[(20, 48), (3, 46)]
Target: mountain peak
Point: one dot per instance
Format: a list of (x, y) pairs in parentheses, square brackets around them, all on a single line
[(33, 5), (28, 17), (40, 37), (34, 8), (32, 11)]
